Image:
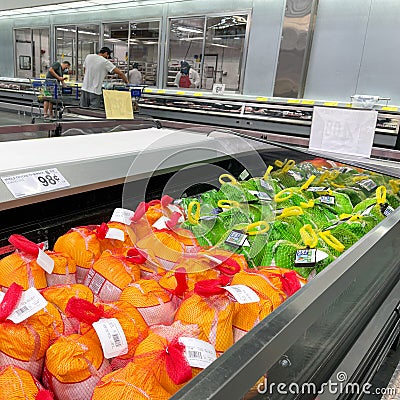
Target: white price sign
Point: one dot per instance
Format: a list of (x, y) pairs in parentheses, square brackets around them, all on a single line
[(218, 88), (31, 183)]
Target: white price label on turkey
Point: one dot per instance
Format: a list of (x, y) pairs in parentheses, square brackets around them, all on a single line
[(31, 302), (114, 233), (31, 183), (122, 215), (243, 294), (45, 261), (198, 353), (111, 336)]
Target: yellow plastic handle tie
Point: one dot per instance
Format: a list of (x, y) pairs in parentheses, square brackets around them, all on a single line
[(279, 163), (330, 240), (268, 172), (307, 184), (283, 195), (350, 217), (290, 212), (332, 175), (228, 204), (288, 166), (310, 204), (256, 228), (337, 185), (309, 237), (322, 177), (381, 195), (194, 217), (395, 184), (230, 178), (360, 178)]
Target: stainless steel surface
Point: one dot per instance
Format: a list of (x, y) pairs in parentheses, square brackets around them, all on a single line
[(293, 49)]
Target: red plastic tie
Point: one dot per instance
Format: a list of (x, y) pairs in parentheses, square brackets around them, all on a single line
[(101, 231), (173, 220), (166, 201), (44, 395), (83, 310), (228, 267), (136, 256), (178, 369), (10, 301), (290, 282), (181, 280), (23, 244), (139, 212), (211, 287)]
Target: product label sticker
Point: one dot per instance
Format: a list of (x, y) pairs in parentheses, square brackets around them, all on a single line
[(122, 215), (236, 238), (368, 184), (386, 210), (111, 336), (261, 195), (30, 183), (45, 261), (305, 258), (31, 302), (368, 210), (329, 200), (244, 175), (208, 217), (114, 233), (198, 353), (317, 189), (266, 185), (216, 211), (160, 223), (297, 177), (94, 281), (343, 170), (320, 255), (243, 294)]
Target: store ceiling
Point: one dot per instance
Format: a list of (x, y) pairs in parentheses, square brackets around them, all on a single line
[(5, 5)]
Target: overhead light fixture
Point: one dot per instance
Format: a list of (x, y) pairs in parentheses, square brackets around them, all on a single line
[(185, 29), (220, 45)]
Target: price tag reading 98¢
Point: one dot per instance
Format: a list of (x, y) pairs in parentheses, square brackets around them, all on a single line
[(35, 182)]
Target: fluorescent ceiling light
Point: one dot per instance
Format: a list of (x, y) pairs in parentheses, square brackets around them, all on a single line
[(88, 33), (149, 42), (219, 45), (184, 29)]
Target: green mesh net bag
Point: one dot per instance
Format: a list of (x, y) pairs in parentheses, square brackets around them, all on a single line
[(208, 200), (377, 207), (336, 202), (356, 195), (289, 175), (249, 240), (320, 214), (233, 190), (208, 229)]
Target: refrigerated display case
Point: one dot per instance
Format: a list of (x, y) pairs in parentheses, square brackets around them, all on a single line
[(337, 328)]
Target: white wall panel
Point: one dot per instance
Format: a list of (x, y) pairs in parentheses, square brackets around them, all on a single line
[(337, 49), (380, 67)]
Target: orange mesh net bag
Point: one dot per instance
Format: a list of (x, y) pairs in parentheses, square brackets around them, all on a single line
[(83, 245), (205, 265), (115, 236), (151, 300), (23, 344), (168, 246), (110, 274), (248, 315), (163, 352), (130, 383), (74, 364), (286, 280), (16, 383), (132, 323), (148, 214), (59, 296), (64, 272), (212, 310), (21, 266)]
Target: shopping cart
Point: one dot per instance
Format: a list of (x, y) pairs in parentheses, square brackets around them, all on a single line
[(136, 93), (47, 90)]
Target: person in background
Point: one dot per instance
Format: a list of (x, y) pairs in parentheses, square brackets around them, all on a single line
[(56, 71), (135, 76), (187, 77), (96, 67)]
